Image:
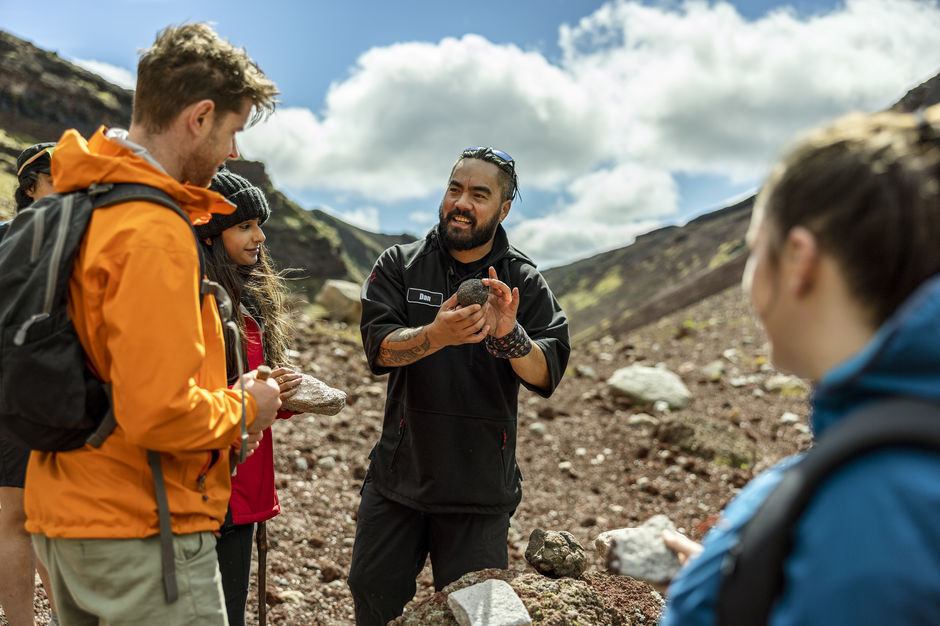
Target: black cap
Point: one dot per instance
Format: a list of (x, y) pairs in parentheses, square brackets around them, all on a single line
[(249, 203), (36, 158)]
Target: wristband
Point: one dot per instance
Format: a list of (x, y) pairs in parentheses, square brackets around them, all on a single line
[(514, 345)]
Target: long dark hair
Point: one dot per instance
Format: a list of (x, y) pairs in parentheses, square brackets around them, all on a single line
[(260, 287), (26, 183)]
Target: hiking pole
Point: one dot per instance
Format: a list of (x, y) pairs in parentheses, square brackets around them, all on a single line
[(261, 537)]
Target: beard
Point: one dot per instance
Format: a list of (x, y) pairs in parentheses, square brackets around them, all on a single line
[(201, 164), (478, 235)]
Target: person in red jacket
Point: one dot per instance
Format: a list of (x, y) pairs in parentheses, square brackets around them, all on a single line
[(236, 259)]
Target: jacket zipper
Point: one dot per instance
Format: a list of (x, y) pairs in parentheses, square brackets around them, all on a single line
[(401, 435), (502, 460)]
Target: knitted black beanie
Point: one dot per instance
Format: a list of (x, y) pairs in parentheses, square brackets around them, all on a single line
[(249, 203)]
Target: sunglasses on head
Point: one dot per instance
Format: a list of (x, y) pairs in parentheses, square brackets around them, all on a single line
[(34, 157), (503, 156)]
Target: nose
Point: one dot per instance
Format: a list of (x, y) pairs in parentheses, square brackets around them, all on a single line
[(258, 236), (234, 152), (463, 201)]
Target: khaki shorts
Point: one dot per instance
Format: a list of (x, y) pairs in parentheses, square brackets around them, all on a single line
[(120, 581)]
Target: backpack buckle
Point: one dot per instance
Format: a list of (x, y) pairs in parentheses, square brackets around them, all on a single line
[(98, 189)]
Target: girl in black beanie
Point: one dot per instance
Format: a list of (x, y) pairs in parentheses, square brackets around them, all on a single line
[(236, 259)]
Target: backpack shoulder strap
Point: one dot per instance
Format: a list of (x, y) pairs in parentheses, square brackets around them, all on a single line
[(108, 194), (752, 573)]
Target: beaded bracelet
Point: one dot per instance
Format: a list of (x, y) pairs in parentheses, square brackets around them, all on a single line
[(514, 345)]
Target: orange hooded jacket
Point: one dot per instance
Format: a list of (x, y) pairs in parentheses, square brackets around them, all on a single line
[(134, 300)]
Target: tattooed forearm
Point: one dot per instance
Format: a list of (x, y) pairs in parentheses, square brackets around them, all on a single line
[(420, 346), (404, 334)]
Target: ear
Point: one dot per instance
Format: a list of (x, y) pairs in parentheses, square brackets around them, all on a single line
[(200, 117), (800, 260), (504, 210)]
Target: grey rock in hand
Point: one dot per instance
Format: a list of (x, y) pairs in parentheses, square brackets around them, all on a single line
[(472, 291), (641, 552), (315, 396)]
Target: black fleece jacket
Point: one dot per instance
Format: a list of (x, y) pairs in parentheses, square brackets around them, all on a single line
[(448, 441)]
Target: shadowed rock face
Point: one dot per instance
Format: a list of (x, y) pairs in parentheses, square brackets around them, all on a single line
[(923, 95), (42, 95)]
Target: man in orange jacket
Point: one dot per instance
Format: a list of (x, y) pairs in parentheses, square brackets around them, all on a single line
[(134, 300)]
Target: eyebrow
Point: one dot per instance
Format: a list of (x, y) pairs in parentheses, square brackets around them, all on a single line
[(483, 188)]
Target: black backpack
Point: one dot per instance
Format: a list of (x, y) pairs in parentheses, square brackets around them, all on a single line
[(49, 399), (752, 573)]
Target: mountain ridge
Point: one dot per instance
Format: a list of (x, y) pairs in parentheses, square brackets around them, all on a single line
[(691, 263), (612, 292)]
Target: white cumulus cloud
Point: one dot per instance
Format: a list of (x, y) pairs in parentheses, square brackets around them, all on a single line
[(392, 130), (366, 218), (641, 93), (703, 90), (608, 208)]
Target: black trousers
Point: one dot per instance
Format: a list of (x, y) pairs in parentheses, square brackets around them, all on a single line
[(234, 550), (393, 541)]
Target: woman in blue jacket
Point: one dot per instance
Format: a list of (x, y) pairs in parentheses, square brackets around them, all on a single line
[(844, 274)]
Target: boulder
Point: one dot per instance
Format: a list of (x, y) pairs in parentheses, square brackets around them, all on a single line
[(341, 300), (563, 601), (551, 601), (555, 553), (648, 385), (724, 444), (490, 603), (435, 609)]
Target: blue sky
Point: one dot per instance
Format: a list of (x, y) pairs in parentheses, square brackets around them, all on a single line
[(622, 115)]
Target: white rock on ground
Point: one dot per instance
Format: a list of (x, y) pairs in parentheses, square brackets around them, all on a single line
[(649, 385), (490, 603)]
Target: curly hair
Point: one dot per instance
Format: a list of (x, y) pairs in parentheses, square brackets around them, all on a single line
[(190, 63)]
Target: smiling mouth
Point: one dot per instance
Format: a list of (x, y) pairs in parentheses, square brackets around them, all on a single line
[(460, 219)]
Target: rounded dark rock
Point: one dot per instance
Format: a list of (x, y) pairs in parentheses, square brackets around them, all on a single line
[(472, 291)]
